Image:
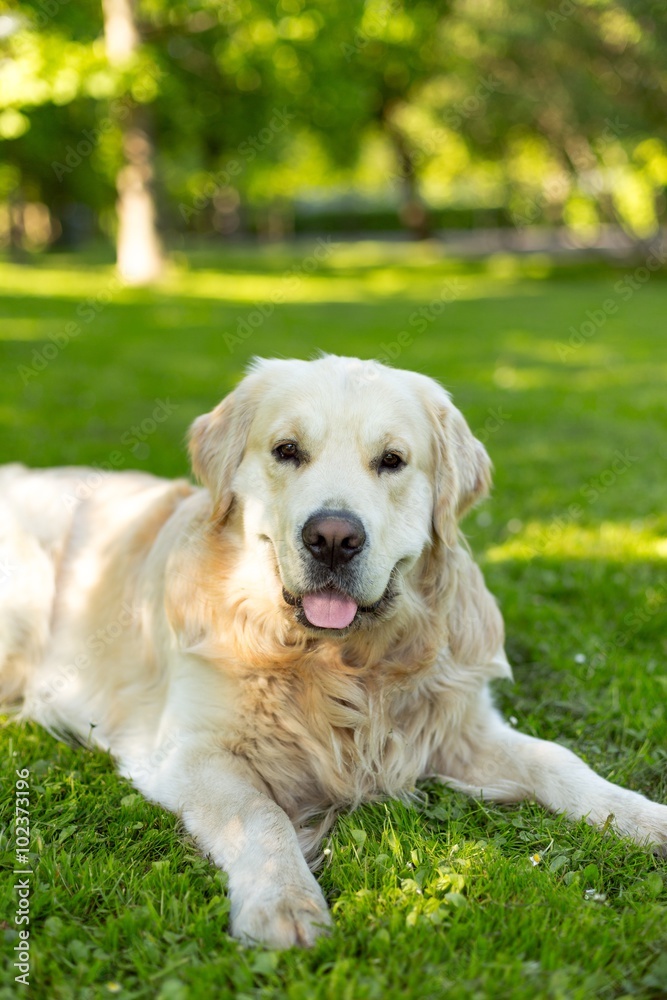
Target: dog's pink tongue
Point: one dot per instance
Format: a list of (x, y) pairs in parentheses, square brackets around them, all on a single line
[(329, 609)]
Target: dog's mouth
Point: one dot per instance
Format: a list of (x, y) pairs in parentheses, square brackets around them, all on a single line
[(333, 610)]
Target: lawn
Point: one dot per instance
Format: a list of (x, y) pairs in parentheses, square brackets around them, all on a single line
[(561, 370)]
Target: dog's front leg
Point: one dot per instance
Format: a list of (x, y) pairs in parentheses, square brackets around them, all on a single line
[(275, 900), (498, 763)]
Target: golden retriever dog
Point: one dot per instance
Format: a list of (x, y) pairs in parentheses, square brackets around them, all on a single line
[(304, 633)]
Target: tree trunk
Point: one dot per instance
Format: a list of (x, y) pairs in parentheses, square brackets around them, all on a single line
[(17, 226), (138, 250), (412, 212)]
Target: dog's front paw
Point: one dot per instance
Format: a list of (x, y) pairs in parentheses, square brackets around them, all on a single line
[(282, 917)]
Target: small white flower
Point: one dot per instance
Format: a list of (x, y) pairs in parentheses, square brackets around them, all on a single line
[(580, 658)]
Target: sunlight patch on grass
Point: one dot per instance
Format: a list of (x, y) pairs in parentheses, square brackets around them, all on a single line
[(380, 253), (526, 345), (289, 286), (609, 540), (54, 282), (507, 376), (510, 377), (372, 287), (362, 254), (298, 282), (9, 416), (22, 328), (625, 374)]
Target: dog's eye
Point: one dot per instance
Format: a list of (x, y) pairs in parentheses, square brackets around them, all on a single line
[(286, 451), (391, 461)]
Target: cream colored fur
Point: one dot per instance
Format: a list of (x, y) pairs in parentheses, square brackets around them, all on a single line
[(149, 618)]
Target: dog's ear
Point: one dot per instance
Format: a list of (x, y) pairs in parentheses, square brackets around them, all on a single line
[(217, 443), (462, 468)]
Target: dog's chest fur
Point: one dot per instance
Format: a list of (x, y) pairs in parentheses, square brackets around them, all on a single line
[(323, 737)]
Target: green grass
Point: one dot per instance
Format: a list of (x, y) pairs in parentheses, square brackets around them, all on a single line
[(442, 899)]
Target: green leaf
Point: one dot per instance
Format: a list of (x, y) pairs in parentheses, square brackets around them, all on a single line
[(654, 883), (359, 837), (591, 875)]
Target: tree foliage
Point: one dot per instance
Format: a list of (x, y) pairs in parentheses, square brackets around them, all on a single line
[(551, 110)]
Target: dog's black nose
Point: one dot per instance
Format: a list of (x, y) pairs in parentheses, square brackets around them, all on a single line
[(333, 538)]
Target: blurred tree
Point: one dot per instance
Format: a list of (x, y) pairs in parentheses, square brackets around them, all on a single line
[(543, 106), (71, 111), (578, 89), (344, 70), (553, 110), (139, 255)]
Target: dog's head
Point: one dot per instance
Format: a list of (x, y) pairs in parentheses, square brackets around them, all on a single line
[(342, 473)]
